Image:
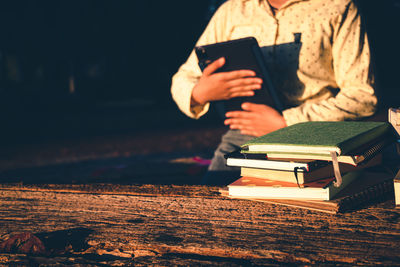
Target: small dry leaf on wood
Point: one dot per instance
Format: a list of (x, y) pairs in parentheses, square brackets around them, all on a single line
[(26, 243)]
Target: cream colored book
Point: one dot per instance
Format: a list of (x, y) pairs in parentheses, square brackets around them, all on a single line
[(301, 176), (396, 183), (322, 189)]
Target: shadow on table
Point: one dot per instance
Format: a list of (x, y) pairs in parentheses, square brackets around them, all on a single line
[(169, 168)]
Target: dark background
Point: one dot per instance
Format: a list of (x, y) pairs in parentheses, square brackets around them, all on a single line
[(75, 68), (94, 67), (112, 49)]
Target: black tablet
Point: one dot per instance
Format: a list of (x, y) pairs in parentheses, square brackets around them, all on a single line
[(239, 54)]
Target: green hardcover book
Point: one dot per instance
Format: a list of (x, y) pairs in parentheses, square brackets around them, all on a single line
[(319, 137)]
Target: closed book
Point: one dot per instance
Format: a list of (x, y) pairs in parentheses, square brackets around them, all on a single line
[(319, 137), (251, 187), (358, 156), (396, 184), (302, 175), (242, 160), (243, 53), (368, 187)]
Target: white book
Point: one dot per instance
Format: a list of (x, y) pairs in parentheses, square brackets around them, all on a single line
[(274, 164)]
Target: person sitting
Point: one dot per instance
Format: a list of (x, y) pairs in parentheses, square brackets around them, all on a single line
[(317, 53)]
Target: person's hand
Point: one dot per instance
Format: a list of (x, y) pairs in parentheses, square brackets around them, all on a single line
[(213, 86), (255, 119)]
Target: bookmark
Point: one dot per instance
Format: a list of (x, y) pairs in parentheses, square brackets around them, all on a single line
[(336, 169), (295, 175)]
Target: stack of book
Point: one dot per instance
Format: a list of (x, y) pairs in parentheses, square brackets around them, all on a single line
[(312, 163)]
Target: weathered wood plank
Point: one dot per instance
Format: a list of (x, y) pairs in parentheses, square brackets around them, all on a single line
[(193, 225)]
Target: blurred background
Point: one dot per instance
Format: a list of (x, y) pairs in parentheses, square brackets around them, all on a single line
[(95, 68), (86, 80), (80, 56)]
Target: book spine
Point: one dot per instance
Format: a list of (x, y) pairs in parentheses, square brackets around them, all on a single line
[(370, 195), (396, 184)]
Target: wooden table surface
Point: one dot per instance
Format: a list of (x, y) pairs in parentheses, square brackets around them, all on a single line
[(189, 225)]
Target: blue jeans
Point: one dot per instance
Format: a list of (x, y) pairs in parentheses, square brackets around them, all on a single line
[(218, 173)]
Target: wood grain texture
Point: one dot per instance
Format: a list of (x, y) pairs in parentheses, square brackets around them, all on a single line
[(189, 225)]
